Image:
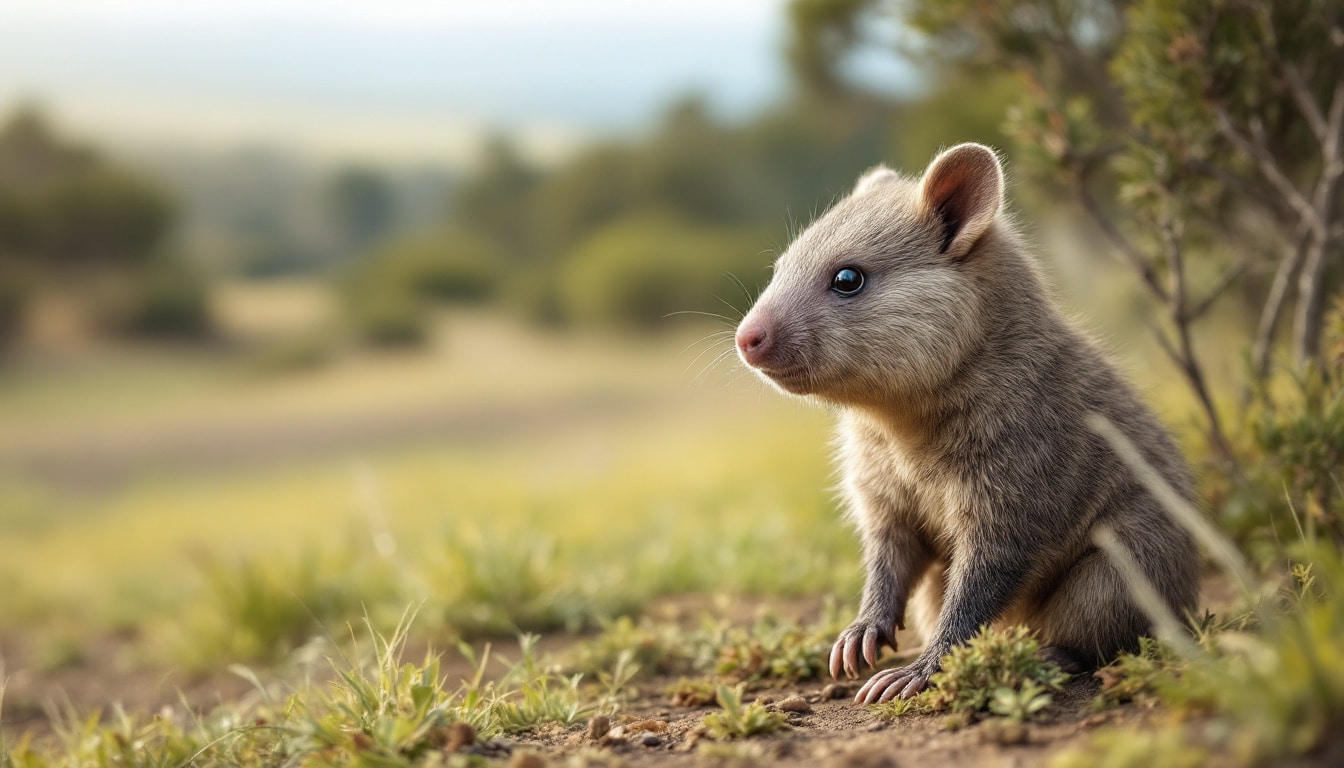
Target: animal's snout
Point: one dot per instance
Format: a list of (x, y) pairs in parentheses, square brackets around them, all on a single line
[(754, 341)]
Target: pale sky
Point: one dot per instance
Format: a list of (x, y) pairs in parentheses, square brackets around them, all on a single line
[(393, 77)]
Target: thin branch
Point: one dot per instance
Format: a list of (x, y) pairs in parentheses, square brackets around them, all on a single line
[(1305, 102), (1266, 164), (1330, 145), (1276, 205), (1225, 281), (1127, 250), (1185, 349), (1272, 312), (1301, 94), (1311, 279), (1160, 337)]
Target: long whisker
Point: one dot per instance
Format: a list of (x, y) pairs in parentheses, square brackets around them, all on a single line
[(711, 365), (729, 304), (750, 299), (706, 337), (725, 318), (704, 351)]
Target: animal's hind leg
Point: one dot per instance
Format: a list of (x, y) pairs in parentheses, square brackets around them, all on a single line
[(926, 603), (1089, 618)]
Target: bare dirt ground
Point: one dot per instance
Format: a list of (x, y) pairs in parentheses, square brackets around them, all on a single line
[(834, 731)]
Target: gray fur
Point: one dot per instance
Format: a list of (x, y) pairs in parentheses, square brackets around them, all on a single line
[(962, 392)]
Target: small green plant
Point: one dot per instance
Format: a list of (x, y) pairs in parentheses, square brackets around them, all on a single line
[(915, 705), (997, 672), (773, 650), (691, 693), (1019, 705), (537, 697), (738, 721), (1139, 676)]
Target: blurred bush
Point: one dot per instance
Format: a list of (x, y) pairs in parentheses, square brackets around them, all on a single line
[(387, 293), (637, 270), (167, 297)]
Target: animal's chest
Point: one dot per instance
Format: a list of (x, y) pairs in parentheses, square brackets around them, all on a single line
[(886, 481)]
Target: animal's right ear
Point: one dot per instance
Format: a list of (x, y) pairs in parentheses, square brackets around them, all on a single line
[(963, 187), (874, 177)]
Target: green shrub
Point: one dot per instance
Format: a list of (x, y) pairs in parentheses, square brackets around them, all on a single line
[(444, 266), (1296, 439), (387, 295), (639, 269), (167, 297), (385, 318)]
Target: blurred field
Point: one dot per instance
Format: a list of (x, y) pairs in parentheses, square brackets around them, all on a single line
[(573, 476)]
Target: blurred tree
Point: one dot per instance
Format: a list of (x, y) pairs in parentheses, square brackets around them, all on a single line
[(1201, 136), (362, 208), (692, 166), (69, 220), (821, 34), (61, 204), (497, 202), (584, 193)]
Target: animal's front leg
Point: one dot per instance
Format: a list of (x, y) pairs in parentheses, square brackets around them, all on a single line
[(894, 558), (983, 580)]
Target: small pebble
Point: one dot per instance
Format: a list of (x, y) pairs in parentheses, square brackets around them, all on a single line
[(651, 740), (835, 691), (460, 735), (1009, 734), (598, 725), (765, 699), (795, 704), (527, 760)]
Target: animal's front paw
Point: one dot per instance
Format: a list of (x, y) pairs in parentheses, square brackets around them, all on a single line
[(863, 635), (902, 681)]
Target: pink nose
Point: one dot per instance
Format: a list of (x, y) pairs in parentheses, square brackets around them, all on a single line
[(754, 342)]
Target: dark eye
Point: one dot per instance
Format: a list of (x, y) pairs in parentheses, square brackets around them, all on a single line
[(847, 281)]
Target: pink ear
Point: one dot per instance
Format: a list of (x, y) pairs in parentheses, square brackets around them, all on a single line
[(963, 187)]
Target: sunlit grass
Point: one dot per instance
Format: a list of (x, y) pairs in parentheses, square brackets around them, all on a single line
[(702, 486)]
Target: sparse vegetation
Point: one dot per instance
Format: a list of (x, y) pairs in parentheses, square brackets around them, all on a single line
[(378, 710), (738, 720)]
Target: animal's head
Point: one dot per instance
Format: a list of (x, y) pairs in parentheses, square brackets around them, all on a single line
[(875, 299)]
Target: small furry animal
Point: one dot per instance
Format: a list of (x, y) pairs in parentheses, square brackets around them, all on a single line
[(915, 309)]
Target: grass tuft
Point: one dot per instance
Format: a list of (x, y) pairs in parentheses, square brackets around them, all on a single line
[(739, 721)]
